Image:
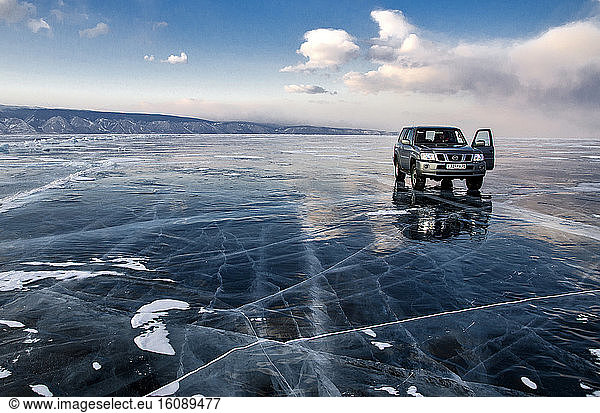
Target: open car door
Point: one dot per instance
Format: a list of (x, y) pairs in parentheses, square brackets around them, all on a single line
[(484, 141)]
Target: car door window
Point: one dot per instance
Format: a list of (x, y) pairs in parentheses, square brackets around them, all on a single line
[(402, 134), (483, 138)]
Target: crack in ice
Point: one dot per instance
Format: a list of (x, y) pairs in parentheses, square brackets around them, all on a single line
[(443, 313)]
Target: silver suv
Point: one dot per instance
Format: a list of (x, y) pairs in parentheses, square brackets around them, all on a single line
[(442, 153)]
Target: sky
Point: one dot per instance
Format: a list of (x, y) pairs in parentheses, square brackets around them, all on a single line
[(523, 68)]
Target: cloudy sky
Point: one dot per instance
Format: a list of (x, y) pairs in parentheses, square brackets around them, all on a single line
[(524, 68)]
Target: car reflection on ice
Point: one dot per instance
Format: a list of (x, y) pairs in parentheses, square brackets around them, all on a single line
[(440, 215)]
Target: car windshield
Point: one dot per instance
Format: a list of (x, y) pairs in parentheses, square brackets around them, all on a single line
[(442, 137)]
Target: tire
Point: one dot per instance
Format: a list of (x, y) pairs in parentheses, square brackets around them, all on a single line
[(397, 172), (446, 183), (416, 180), (474, 183)]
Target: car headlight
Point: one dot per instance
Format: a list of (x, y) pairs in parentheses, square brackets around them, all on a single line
[(427, 156), (478, 157)]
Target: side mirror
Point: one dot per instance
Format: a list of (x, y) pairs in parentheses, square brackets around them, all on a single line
[(405, 142), (479, 143)]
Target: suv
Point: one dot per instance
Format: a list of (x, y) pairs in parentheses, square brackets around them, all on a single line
[(442, 153)]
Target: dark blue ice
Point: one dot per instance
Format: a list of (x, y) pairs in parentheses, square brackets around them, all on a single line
[(253, 265)]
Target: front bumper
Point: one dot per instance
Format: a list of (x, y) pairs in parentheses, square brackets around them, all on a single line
[(440, 170)]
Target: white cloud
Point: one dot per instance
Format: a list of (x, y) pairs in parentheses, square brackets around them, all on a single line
[(13, 11), (560, 65), (59, 15), (174, 59), (309, 89), (100, 29), (159, 25), (393, 26), (557, 55), (35, 25), (149, 58), (325, 49)]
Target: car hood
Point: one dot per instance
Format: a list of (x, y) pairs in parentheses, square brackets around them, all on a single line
[(448, 149)]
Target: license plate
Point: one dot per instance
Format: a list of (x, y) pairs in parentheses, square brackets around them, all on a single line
[(456, 166)]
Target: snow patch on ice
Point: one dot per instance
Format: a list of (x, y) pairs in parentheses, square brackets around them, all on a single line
[(168, 390), (380, 345), (4, 373), (587, 187), (527, 382), (41, 389), (167, 280), (238, 157), (11, 323), (412, 390), (389, 212), (595, 352), (96, 365), (155, 340), (155, 309), (54, 264), (584, 386), (19, 280), (137, 264), (369, 332), (155, 336), (388, 389), (31, 330)]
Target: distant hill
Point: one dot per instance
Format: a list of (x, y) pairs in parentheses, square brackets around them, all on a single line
[(31, 120)]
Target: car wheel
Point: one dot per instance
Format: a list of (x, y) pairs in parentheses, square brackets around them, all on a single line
[(446, 183), (397, 172), (417, 181), (474, 183)]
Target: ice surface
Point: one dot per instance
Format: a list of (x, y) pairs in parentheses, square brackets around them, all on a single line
[(248, 265), (4, 373)]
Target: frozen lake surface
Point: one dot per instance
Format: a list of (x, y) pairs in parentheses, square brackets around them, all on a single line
[(293, 265)]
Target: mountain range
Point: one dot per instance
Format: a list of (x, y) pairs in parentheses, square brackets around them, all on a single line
[(33, 120)]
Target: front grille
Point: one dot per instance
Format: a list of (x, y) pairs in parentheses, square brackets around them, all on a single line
[(454, 157)]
